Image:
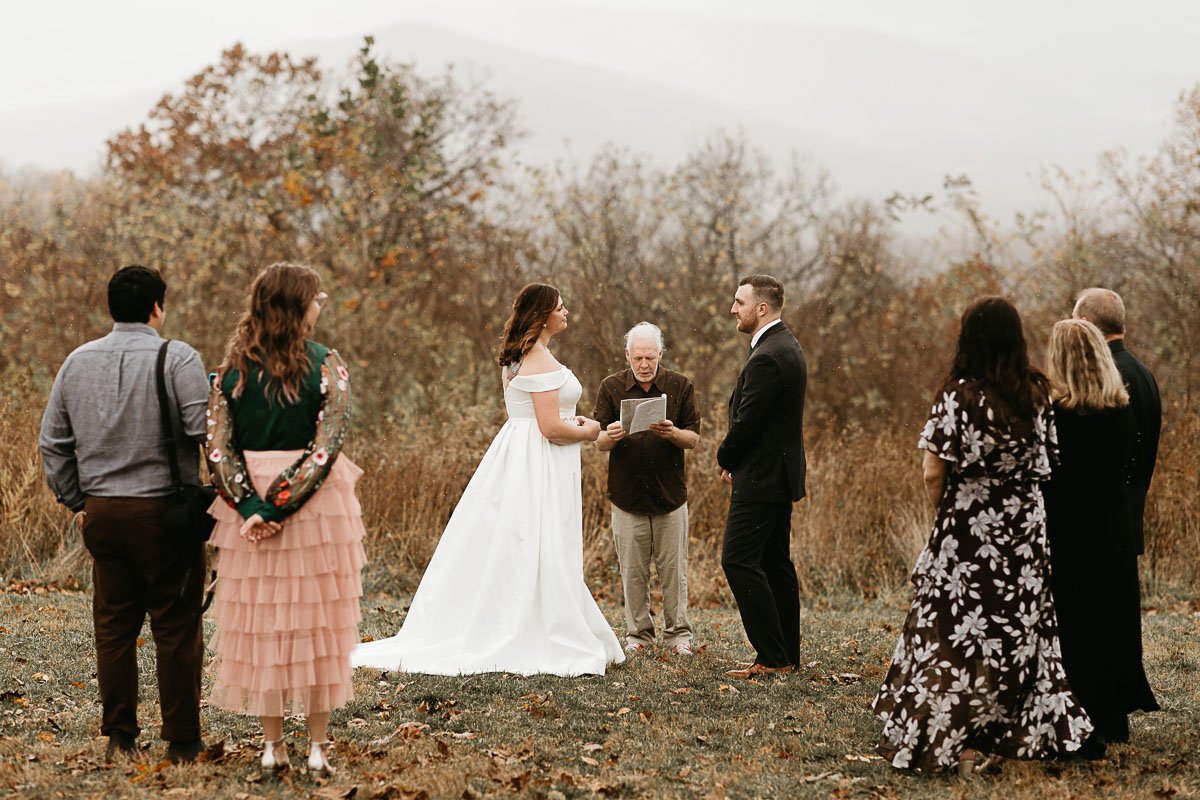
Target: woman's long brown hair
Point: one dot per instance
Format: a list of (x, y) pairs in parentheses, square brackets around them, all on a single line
[(271, 334), (530, 310)]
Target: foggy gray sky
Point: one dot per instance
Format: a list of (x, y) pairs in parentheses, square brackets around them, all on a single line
[(890, 95), (63, 50)]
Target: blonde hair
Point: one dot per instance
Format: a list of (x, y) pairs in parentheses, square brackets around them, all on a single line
[(1083, 375)]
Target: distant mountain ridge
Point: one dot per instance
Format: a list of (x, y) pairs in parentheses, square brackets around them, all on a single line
[(881, 113)]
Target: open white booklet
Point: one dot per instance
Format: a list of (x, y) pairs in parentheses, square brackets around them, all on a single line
[(638, 415)]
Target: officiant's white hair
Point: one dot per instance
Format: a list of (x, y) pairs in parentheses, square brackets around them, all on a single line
[(644, 331)]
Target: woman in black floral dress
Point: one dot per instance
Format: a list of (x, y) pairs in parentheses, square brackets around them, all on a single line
[(978, 666)]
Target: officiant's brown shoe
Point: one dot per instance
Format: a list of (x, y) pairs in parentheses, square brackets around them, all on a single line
[(755, 670)]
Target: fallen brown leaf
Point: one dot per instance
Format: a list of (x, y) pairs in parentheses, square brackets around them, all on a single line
[(213, 753), (336, 793)]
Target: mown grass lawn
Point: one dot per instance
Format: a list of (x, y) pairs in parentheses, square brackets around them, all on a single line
[(657, 726)]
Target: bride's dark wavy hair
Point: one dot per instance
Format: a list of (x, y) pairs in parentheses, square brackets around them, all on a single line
[(533, 306), (992, 351)]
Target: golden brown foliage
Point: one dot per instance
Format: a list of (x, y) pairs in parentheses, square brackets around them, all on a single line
[(857, 533), (397, 189)]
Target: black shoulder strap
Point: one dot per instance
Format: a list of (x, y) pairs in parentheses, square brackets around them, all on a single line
[(164, 413)]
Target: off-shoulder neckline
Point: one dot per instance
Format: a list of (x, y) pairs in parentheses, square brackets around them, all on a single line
[(539, 374)]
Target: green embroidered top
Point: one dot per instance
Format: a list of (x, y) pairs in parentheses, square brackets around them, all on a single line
[(316, 423)]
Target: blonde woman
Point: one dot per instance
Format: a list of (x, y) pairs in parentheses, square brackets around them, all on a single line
[(1093, 551), (289, 534)]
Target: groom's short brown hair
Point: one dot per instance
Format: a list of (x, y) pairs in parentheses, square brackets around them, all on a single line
[(767, 289)]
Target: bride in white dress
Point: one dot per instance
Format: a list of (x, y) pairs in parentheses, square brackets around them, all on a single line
[(504, 591)]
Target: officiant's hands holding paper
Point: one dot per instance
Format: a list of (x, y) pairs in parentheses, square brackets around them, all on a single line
[(664, 428)]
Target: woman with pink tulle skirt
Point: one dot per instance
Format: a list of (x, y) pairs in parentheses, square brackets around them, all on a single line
[(289, 528)]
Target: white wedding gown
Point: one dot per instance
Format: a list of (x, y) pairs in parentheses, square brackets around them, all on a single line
[(504, 591)]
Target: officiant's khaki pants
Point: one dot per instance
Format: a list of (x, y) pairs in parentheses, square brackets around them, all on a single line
[(662, 539)]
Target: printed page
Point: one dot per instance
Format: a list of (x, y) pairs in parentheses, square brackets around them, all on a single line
[(647, 412)]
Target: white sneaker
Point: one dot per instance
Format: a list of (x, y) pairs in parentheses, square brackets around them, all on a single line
[(633, 648), (684, 649)]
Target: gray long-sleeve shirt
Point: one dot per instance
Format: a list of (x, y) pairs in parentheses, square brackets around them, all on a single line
[(101, 433)]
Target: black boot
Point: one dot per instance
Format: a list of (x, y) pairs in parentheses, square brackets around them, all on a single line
[(1094, 748), (1116, 728), (121, 744), (184, 752)]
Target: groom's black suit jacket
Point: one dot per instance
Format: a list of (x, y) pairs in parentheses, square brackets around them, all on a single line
[(764, 448)]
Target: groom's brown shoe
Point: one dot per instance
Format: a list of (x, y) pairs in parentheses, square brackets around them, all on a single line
[(754, 670)]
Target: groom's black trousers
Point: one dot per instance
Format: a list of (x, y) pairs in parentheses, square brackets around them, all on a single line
[(757, 560)]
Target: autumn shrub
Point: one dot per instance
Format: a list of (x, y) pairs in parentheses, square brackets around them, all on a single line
[(35, 531), (403, 192), (1173, 508), (856, 534)]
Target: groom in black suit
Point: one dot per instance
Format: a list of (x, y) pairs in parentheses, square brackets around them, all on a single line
[(762, 458)]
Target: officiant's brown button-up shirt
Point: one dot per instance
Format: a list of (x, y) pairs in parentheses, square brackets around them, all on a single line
[(645, 472)]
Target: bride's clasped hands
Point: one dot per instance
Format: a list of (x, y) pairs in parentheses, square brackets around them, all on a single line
[(590, 430)]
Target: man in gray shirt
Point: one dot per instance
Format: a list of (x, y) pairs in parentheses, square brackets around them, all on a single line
[(104, 455)]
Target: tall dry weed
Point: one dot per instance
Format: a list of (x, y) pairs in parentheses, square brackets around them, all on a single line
[(1173, 509), (35, 531), (857, 533)]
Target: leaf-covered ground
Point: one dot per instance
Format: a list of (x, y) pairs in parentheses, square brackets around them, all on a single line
[(658, 726)]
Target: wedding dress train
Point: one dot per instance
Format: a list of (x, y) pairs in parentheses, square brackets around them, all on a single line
[(504, 591)]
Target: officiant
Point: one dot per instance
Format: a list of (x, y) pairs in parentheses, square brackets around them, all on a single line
[(647, 489)]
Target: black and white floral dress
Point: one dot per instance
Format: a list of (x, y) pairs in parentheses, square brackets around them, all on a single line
[(978, 662)]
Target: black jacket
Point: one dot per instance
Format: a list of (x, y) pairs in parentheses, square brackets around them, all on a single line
[(1147, 409), (764, 448)]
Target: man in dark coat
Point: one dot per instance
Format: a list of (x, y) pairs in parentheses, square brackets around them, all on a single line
[(762, 458), (1105, 309)]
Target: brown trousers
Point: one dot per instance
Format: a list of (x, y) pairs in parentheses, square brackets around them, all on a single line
[(139, 568)]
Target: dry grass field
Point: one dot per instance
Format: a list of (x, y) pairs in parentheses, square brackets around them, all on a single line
[(656, 727)]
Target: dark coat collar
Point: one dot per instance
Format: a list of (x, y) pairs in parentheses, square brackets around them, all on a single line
[(771, 331)]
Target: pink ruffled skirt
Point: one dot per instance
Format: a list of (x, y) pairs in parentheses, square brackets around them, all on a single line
[(287, 607)]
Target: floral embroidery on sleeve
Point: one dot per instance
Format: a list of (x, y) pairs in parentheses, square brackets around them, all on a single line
[(225, 461), (296, 484), (299, 481)]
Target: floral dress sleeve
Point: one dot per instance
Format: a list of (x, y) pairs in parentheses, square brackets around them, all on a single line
[(960, 429), (1045, 444), (941, 433), (296, 484)]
